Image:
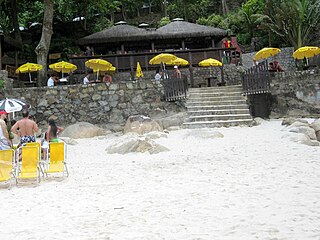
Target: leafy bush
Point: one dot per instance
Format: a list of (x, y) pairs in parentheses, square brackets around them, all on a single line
[(164, 21)]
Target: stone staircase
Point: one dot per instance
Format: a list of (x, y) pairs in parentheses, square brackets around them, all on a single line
[(217, 107)]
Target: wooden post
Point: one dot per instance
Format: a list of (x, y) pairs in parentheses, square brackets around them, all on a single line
[(183, 46), (117, 63), (222, 75), (191, 70), (122, 48), (213, 44)]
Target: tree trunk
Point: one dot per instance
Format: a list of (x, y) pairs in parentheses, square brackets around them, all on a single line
[(123, 11), (112, 17), (138, 12), (43, 47), (165, 8), (150, 7), (17, 34), (224, 7)]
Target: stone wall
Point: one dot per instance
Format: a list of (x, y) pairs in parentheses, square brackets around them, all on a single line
[(284, 58), (232, 75), (296, 93), (8, 81), (96, 103)]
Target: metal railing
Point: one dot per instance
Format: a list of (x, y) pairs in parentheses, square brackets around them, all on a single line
[(256, 80), (175, 88)]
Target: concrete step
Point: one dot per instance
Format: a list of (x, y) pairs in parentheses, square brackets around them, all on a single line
[(217, 107), (216, 89), (215, 98), (218, 123), (225, 117), (215, 103), (218, 112), (214, 94)]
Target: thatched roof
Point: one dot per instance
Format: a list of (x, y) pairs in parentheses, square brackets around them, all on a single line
[(176, 29), (182, 29), (115, 34)]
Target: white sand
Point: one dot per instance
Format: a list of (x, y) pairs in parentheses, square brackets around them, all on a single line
[(251, 184)]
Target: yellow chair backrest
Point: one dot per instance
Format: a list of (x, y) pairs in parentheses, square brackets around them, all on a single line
[(6, 157), (30, 159), (57, 157), (34, 144)]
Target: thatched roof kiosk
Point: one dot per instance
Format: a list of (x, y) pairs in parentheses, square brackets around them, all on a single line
[(118, 38), (190, 35), (178, 35)]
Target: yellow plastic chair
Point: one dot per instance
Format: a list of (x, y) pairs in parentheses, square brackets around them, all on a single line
[(57, 156), (29, 163), (38, 146), (6, 168)]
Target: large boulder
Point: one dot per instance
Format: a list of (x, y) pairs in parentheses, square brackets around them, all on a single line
[(172, 120), (300, 138), (316, 125), (141, 124), (132, 142), (82, 130), (306, 130), (290, 120)]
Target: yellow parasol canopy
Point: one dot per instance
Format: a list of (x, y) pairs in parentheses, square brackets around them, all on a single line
[(179, 62), (166, 58), (265, 53), (210, 62), (28, 68), (98, 65), (139, 72), (306, 52), (64, 67), (109, 70)]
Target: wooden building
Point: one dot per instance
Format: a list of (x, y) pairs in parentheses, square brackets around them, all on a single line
[(177, 35)]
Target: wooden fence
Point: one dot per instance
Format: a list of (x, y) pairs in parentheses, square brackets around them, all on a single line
[(175, 88), (128, 62), (256, 80)]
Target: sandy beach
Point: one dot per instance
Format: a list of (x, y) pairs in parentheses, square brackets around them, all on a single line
[(250, 184)]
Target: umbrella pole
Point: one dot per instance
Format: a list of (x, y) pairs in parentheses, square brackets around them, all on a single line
[(97, 75), (30, 76)]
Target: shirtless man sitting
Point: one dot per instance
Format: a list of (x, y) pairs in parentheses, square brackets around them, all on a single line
[(25, 128)]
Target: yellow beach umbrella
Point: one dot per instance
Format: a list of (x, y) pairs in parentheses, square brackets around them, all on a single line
[(139, 72), (179, 62), (98, 65), (210, 62), (109, 70), (306, 52), (166, 58), (28, 68), (266, 53), (64, 67)]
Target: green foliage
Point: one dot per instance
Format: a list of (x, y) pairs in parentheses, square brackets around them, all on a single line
[(31, 12), (102, 23), (296, 21), (2, 84), (164, 21), (213, 20)]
